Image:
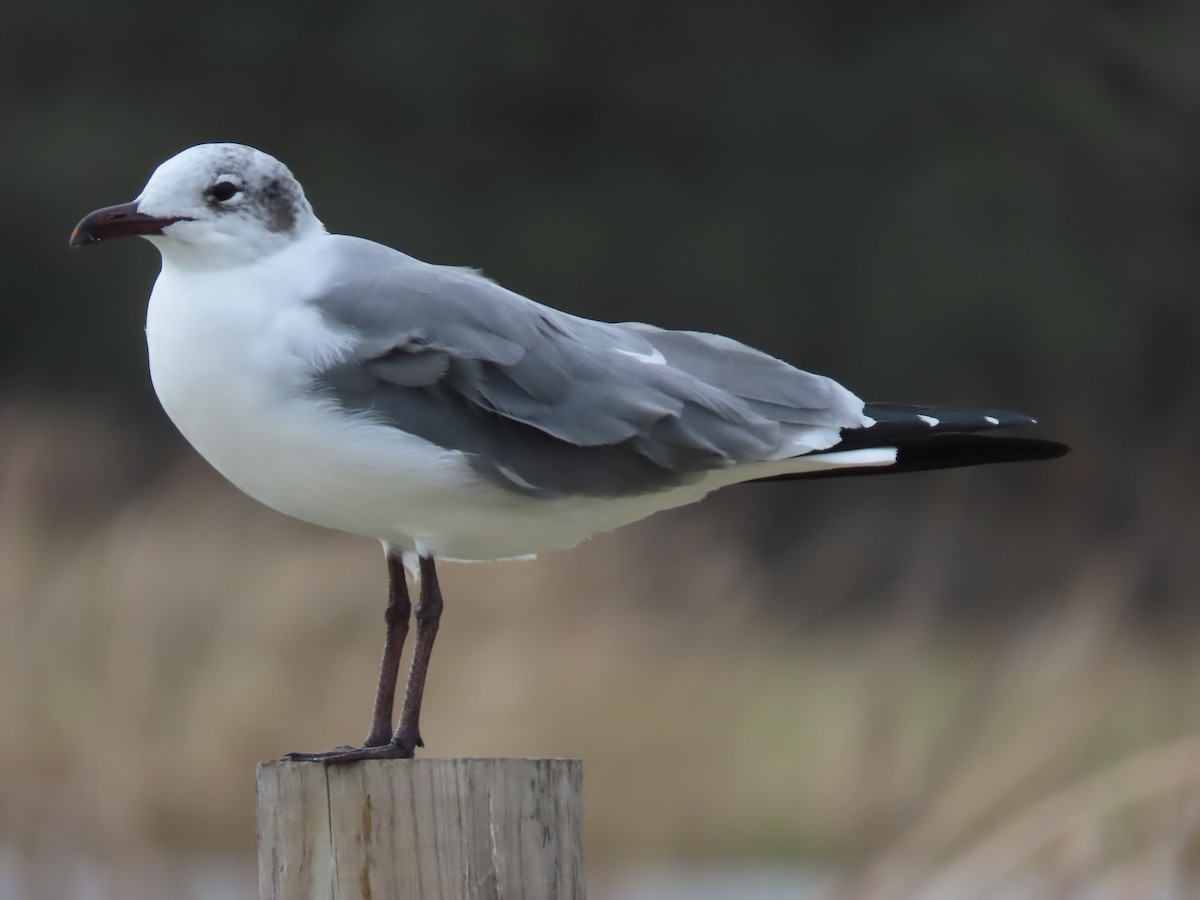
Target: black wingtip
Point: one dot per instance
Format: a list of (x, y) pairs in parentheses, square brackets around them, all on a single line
[(948, 451), (945, 451), (900, 423), (947, 418), (934, 437)]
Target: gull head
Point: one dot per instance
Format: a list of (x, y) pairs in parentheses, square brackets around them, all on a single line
[(212, 206)]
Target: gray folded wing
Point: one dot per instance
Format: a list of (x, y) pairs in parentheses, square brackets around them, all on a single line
[(551, 404)]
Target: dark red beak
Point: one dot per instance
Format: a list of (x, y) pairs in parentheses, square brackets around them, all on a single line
[(115, 222)]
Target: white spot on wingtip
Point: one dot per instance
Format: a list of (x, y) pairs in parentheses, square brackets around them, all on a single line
[(929, 420), (991, 420)]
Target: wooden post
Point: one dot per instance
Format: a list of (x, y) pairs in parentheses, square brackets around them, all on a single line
[(421, 829)]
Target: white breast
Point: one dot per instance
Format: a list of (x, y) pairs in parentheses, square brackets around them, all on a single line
[(232, 355), (231, 358)]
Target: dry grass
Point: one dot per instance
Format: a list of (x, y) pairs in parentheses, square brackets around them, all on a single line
[(154, 648)]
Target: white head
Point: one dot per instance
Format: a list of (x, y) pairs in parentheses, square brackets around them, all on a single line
[(211, 206)]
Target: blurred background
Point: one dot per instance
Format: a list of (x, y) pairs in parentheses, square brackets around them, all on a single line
[(978, 683)]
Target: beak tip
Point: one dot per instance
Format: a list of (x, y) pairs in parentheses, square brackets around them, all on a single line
[(116, 221), (83, 234), (81, 237)]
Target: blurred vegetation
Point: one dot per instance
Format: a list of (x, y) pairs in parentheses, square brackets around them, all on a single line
[(888, 192), (951, 203), (995, 202), (191, 630)]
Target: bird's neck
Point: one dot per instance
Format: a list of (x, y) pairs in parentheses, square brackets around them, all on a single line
[(219, 253)]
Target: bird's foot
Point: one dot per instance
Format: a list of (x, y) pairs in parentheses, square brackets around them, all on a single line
[(318, 757), (393, 749)]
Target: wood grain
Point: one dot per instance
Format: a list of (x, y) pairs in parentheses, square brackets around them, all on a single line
[(424, 829)]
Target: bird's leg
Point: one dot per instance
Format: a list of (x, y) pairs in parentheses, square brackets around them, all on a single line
[(404, 742), (396, 616), (428, 614)]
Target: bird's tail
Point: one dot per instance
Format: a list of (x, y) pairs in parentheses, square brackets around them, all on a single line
[(931, 437)]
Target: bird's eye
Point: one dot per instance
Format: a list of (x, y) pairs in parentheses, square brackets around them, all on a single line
[(223, 190)]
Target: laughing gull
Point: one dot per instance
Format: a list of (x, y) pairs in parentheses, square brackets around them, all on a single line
[(346, 384)]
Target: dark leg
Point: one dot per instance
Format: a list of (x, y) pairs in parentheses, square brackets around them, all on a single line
[(396, 617), (428, 614), (407, 738)]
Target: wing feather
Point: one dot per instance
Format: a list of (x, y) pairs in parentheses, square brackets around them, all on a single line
[(552, 404)]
